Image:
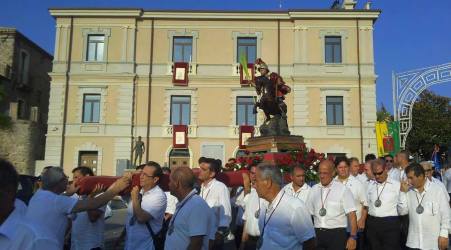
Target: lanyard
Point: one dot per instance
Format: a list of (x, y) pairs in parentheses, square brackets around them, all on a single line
[(324, 201), (377, 190), (180, 208), (265, 222), (422, 197)]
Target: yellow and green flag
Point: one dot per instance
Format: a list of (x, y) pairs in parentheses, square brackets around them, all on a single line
[(243, 62)]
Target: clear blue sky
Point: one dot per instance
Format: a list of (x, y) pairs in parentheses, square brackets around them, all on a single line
[(409, 33)]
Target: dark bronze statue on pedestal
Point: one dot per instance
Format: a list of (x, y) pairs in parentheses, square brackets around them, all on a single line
[(272, 90)]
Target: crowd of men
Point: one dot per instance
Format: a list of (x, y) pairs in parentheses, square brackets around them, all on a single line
[(393, 204)]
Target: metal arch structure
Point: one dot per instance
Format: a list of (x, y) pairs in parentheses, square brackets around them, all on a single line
[(407, 86)]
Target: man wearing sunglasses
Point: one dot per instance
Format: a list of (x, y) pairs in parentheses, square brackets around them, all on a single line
[(428, 170), (393, 172), (383, 198)]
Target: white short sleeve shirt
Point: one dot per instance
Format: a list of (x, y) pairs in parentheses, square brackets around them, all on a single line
[(51, 210), (217, 196), (302, 193), (358, 193), (172, 202), (289, 226), (253, 203), (189, 220), (16, 234), (388, 195), (338, 202), (138, 236)]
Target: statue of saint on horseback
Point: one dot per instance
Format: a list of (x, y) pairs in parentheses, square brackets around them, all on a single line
[(271, 89)]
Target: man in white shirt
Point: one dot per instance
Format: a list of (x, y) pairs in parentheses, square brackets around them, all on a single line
[(298, 188), (383, 224), (332, 205), (172, 200), (402, 161), (428, 211), (217, 196), (447, 179), (15, 232), (87, 227), (189, 226), (358, 193), (393, 172), (428, 170), (354, 166), (49, 209), (145, 211), (367, 176), (285, 223), (253, 205)]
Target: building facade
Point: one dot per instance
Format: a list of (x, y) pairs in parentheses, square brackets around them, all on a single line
[(25, 85), (112, 82)]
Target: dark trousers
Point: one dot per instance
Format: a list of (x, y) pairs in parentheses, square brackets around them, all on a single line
[(360, 242), (383, 232), (404, 230), (238, 232), (251, 243), (331, 239)]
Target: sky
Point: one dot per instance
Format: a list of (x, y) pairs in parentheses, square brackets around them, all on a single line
[(409, 34)]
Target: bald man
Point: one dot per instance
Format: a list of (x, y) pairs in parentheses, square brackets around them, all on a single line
[(332, 205), (191, 225)]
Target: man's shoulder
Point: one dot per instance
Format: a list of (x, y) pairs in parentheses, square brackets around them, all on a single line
[(196, 202), (219, 185), (292, 202)]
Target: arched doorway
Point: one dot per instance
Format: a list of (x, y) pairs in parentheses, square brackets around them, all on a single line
[(179, 157)]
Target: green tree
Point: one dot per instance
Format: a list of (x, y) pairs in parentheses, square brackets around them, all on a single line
[(431, 123), (383, 115)]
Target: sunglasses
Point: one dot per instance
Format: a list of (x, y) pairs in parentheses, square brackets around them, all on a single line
[(377, 174), (389, 161)]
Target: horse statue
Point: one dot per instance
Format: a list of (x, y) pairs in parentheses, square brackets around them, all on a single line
[(272, 90)]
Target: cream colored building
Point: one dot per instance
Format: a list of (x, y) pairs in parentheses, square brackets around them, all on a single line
[(103, 95)]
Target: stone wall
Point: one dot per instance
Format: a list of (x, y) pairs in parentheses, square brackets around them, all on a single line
[(22, 145)]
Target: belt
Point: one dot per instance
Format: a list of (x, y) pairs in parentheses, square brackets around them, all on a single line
[(329, 229), (383, 218)]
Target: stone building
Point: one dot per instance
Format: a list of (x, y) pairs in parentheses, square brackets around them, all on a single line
[(121, 85), (24, 80)]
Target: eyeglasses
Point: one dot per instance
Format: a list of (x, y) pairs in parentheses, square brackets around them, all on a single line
[(388, 160), (377, 174), (150, 176)]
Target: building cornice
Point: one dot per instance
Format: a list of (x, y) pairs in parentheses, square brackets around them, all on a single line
[(57, 12), (217, 15)]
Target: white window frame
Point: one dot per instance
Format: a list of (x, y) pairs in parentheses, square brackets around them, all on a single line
[(344, 92), (106, 32), (82, 90), (193, 64), (344, 48), (235, 36)]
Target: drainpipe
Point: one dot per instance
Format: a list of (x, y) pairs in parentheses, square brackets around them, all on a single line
[(149, 99), (360, 88), (133, 95), (66, 92)]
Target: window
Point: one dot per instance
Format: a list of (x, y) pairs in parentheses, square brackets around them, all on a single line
[(21, 109), (88, 159), (91, 108), (244, 111), (334, 110), (180, 110), (96, 46), (247, 46), (333, 49), (182, 49), (24, 62)]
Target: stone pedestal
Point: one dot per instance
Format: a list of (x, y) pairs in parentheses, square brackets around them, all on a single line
[(273, 144)]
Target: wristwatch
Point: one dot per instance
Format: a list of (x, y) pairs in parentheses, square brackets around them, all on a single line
[(354, 237)]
